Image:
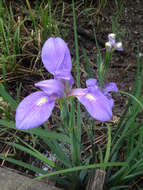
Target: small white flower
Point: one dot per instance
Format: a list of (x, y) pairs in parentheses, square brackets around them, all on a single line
[(112, 44), (140, 54)]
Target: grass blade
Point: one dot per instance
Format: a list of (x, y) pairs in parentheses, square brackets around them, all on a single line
[(7, 97)]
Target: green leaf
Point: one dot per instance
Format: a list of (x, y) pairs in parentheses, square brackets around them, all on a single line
[(37, 131), (36, 154), (22, 164), (7, 97), (108, 147), (77, 169)]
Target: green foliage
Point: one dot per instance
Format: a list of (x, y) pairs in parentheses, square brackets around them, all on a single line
[(128, 137), (24, 26), (116, 27)]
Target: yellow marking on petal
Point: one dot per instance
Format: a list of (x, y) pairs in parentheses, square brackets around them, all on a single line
[(42, 101), (90, 97)]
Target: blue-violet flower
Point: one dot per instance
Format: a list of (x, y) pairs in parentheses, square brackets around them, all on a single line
[(37, 107)]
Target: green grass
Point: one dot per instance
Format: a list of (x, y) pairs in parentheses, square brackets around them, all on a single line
[(23, 33), (116, 27)]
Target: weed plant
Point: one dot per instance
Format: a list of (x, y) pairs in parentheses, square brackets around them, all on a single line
[(120, 157)]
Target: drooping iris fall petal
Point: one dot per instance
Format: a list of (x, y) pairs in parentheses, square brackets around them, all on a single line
[(33, 110), (118, 46), (97, 105)]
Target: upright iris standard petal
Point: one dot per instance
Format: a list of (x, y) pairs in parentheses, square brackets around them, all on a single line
[(51, 87), (98, 105), (110, 87), (91, 82), (56, 56), (92, 85), (66, 79), (112, 38), (33, 110)]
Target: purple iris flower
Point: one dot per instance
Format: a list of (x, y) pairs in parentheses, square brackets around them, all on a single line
[(98, 103), (36, 108)]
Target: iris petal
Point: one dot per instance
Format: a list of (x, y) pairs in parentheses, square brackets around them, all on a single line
[(33, 110), (78, 92), (112, 38), (66, 79), (110, 87), (98, 105), (92, 85), (91, 82), (118, 46), (51, 86), (56, 56)]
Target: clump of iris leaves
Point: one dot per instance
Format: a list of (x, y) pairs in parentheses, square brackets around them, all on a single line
[(122, 156)]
